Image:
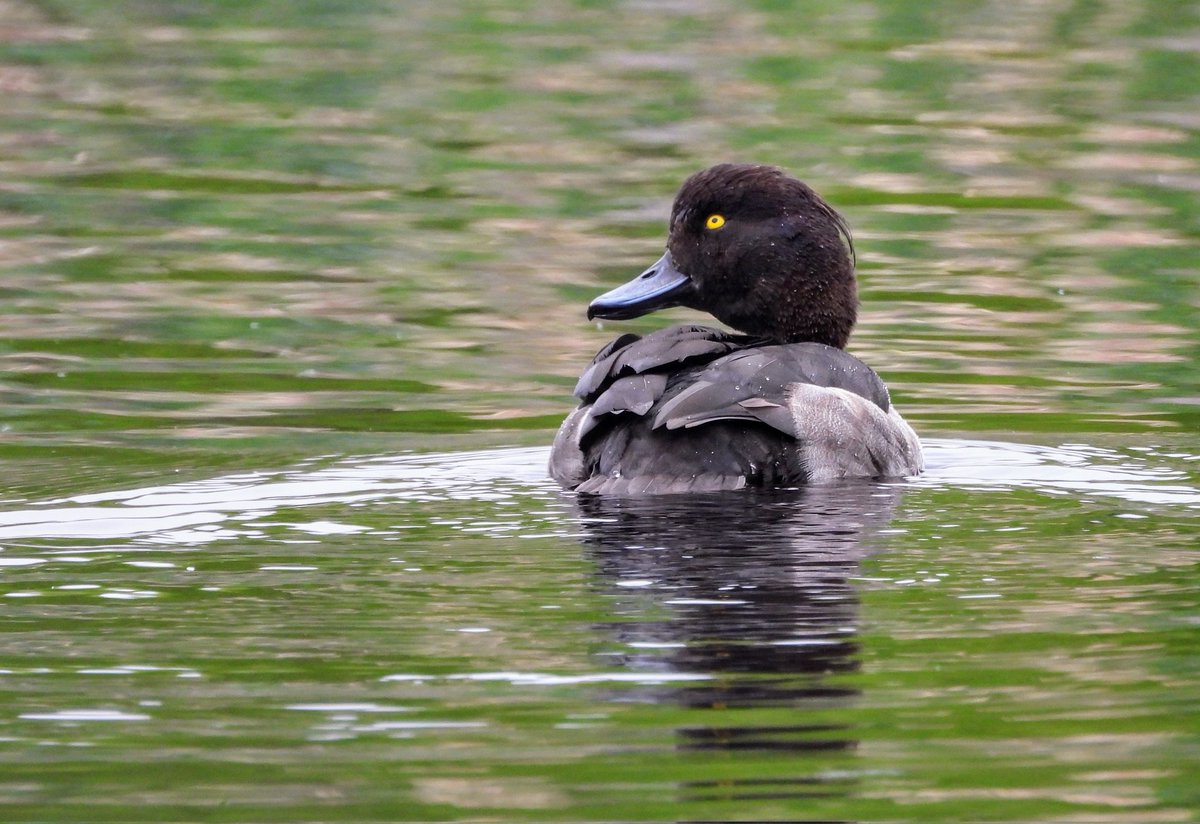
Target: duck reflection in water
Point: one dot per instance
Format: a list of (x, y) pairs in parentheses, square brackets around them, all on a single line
[(753, 590)]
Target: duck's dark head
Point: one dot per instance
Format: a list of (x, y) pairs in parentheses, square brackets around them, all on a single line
[(758, 250)]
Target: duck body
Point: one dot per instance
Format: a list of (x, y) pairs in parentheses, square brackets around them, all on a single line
[(697, 409)]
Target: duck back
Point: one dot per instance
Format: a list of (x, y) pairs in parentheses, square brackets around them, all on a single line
[(691, 408)]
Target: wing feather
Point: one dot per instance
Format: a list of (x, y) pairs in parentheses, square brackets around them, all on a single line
[(641, 395)]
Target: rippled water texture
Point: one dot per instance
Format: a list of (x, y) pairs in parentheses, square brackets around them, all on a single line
[(291, 300)]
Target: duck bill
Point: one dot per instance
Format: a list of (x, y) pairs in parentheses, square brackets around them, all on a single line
[(659, 287)]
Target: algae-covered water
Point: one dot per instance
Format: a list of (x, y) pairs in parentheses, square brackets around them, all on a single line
[(291, 304)]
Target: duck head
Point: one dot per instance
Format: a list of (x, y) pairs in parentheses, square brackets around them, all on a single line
[(756, 249)]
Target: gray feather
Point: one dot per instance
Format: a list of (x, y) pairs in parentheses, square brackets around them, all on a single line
[(691, 408)]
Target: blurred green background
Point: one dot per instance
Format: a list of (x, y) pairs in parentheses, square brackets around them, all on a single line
[(315, 227)]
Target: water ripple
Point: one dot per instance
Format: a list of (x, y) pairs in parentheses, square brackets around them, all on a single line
[(235, 506)]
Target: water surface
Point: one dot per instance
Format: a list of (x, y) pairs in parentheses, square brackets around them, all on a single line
[(292, 304)]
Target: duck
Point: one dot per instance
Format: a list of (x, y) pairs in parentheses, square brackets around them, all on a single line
[(777, 402)]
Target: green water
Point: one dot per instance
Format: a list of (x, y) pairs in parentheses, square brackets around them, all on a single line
[(291, 300)]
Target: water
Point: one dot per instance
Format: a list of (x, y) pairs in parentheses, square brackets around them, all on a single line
[(447, 636), (292, 304)]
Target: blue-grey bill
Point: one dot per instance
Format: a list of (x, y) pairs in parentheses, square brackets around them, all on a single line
[(659, 287)]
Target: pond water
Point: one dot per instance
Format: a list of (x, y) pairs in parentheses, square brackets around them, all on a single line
[(292, 305)]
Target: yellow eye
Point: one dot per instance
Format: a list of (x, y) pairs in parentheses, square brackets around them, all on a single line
[(714, 222)]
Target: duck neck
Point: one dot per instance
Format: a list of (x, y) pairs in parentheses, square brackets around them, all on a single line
[(820, 313), (825, 313)]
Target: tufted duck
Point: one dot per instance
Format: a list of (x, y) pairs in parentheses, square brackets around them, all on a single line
[(695, 409)]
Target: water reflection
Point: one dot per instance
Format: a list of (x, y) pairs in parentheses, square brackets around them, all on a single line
[(754, 590)]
